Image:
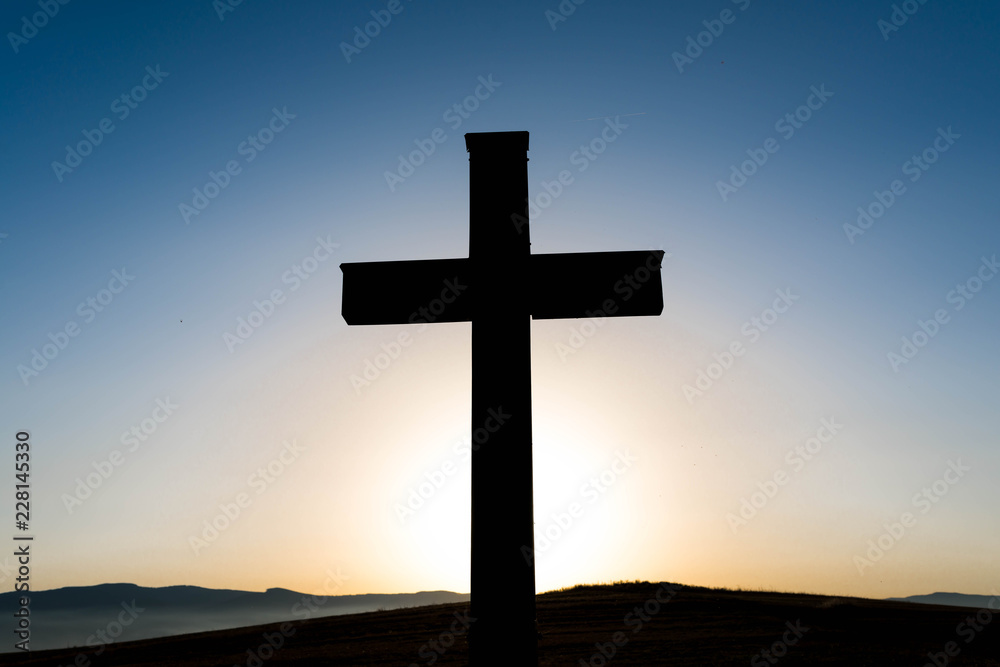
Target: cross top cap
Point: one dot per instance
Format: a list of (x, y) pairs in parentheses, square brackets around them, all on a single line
[(494, 140)]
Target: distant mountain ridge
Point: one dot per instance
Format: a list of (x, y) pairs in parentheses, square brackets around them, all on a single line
[(78, 615), (955, 600)]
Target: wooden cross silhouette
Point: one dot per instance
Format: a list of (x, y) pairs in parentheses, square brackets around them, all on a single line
[(500, 287)]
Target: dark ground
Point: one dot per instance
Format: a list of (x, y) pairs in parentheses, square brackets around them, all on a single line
[(696, 627)]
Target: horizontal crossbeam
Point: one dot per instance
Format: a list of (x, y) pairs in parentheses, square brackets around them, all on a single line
[(576, 284), (564, 285)]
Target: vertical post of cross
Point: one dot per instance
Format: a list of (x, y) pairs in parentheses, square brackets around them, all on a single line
[(503, 578)]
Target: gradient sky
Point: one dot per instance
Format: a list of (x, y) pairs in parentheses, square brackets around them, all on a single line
[(687, 463)]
